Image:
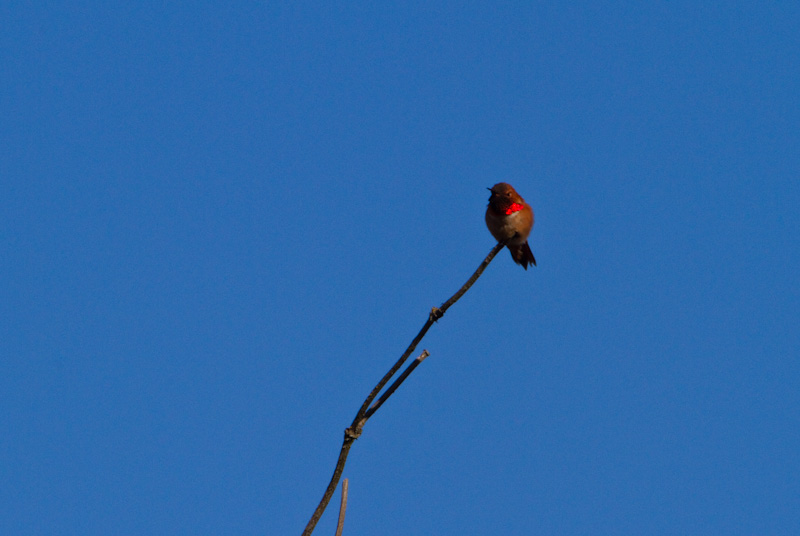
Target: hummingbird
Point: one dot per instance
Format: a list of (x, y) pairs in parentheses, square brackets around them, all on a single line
[(509, 218)]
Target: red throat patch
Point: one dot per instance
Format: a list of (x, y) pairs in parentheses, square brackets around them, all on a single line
[(515, 207)]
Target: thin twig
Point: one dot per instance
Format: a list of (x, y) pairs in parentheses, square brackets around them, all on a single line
[(354, 431), (342, 508), (392, 388)]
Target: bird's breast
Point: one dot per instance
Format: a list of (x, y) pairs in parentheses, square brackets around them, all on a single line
[(516, 225)]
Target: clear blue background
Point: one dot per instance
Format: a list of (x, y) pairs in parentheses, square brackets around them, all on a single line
[(221, 224)]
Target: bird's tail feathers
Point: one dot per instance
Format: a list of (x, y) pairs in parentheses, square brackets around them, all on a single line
[(522, 255)]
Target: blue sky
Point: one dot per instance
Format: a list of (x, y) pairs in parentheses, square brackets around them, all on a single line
[(222, 224)]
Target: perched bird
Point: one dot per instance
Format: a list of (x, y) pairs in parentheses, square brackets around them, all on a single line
[(510, 218)]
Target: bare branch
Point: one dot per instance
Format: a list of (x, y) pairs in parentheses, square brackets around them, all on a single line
[(354, 431), (342, 508)]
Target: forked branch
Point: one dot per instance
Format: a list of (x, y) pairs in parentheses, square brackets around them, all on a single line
[(366, 411)]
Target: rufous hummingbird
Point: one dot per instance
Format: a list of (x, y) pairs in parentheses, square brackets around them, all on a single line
[(509, 218)]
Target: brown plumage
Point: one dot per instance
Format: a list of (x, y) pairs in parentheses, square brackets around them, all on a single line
[(510, 218)]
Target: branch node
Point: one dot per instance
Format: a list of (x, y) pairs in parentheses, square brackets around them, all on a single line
[(436, 314), (353, 433)]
